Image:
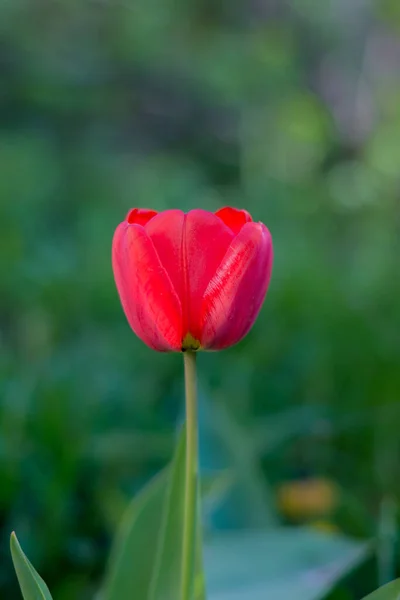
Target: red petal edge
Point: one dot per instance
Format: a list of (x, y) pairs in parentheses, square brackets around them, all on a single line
[(140, 216), (234, 218)]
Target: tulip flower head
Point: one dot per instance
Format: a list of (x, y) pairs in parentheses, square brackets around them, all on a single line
[(191, 281)]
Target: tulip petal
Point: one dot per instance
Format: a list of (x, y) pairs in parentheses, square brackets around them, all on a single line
[(234, 218), (166, 232), (150, 302), (140, 216), (190, 248), (235, 294), (206, 242)]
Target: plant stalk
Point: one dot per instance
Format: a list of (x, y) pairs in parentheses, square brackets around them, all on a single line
[(191, 477)]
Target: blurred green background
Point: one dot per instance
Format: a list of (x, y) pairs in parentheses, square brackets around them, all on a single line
[(288, 109)]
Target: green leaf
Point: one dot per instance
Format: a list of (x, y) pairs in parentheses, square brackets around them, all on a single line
[(251, 499), (390, 591), (145, 562), (131, 563), (214, 487), (280, 563), (167, 573), (32, 585)]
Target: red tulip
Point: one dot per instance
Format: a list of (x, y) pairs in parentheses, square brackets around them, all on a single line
[(191, 281)]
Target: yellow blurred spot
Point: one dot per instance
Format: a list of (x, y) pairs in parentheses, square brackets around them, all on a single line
[(308, 498), (324, 526)]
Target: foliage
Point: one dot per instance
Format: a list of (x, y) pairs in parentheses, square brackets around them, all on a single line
[(289, 110)]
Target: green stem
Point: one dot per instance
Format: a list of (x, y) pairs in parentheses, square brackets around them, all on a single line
[(191, 478)]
